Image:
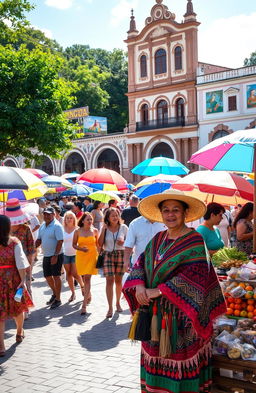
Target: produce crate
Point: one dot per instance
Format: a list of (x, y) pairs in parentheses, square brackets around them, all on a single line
[(242, 369)]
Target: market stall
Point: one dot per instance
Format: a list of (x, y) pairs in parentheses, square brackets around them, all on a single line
[(234, 345)]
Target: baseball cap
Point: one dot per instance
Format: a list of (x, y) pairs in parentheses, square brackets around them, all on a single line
[(49, 210)]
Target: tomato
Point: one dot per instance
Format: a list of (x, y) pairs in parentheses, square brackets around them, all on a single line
[(238, 307), (248, 295), (237, 313), (248, 288), (232, 305), (230, 311), (250, 301), (250, 308), (250, 315), (230, 299)]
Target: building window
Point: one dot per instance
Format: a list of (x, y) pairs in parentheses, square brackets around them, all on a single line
[(144, 114), (180, 108), (160, 61), (178, 58), (143, 66), (162, 111), (162, 149), (219, 134), (232, 104)]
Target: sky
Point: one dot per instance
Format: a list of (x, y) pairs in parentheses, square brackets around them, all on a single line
[(226, 34)]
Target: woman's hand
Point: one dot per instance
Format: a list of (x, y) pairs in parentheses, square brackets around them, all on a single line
[(21, 285), (153, 293), (84, 249), (141, 295)]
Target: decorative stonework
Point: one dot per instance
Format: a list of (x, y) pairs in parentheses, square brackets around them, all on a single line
[(219, 127), (252, 125), (159, 12), (232, 91), (159, 31)]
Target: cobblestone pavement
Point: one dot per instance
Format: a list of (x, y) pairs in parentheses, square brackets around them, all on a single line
[(66, 352)]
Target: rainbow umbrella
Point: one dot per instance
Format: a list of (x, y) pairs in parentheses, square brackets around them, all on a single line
[(151, 189), (18, 183), (56, 184), (103, 176), (77, 190), (158, 179), (219, 186), (235, 153), (37, 172)]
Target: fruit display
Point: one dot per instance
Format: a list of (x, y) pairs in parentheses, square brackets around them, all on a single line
[(241, 299), (227, 257)]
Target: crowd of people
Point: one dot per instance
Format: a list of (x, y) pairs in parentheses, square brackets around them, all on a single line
[(164, 242)]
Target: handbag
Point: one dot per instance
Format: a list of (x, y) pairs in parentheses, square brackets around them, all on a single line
[(100, 260)]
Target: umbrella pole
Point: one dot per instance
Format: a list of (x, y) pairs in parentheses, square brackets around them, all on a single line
[(254, 202)]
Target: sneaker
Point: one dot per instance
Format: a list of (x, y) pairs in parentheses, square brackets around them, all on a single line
[(55, 304), (51, 300)]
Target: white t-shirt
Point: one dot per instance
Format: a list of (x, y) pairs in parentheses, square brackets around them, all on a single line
[(111, 238), (140, 232), (69, 251), (34, 222)]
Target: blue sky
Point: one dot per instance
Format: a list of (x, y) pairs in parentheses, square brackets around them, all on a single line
[(226, 34)]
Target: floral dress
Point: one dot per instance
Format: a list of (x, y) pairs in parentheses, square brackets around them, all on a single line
[(246, 245), (9, 281)]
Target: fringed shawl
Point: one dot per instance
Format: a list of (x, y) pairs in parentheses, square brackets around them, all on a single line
[(185, 277)]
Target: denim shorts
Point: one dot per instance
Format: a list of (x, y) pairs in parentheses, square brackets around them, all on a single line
[(69, 259)]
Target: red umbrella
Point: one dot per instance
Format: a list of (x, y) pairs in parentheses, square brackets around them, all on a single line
[(37, 172), (103, 175)]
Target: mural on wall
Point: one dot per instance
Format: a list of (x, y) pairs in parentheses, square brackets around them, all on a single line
[(251, 96), (214, 102)]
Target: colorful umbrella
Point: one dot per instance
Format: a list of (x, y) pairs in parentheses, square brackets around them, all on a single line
[(219, 186), (56, 183), (100, 186), (25, 185), (37, 172), (72, 175), (150, 189), (104, 196), (158, 179), (157, 165), (235, 152), (77, 190), (104, 176)]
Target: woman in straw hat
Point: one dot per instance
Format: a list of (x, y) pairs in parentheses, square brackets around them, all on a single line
[(175, 295)]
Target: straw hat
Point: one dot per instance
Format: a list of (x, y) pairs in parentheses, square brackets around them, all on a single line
[(14, 211), (148, 207)]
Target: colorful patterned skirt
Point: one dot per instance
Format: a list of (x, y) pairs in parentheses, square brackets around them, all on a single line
[(9, 281), (167, 375)]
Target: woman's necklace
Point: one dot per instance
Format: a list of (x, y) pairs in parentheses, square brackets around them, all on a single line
[(162, 249)]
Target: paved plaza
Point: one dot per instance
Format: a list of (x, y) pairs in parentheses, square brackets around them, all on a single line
[(64, 352)]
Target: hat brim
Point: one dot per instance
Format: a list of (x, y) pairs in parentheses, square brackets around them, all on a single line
[(148, 207)]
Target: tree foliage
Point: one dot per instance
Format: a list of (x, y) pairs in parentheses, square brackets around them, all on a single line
[(32, 101), (251, 60)]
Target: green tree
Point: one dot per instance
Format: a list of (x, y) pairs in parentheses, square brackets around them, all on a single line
[(251, 60), (32, 100)]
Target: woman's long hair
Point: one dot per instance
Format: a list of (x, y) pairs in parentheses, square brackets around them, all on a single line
[(244, 212), (108, 212), (5, 229), (96, 204), (81, 220)]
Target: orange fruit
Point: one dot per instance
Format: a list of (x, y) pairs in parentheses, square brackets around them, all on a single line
[(254, 295), (254, 312), (242, 284), (229, 311), (248, 288), (237, 313), (243, 314), (250, 301), (232, 305), (239, 300), (250, 308), (248, 295), (250, 315)]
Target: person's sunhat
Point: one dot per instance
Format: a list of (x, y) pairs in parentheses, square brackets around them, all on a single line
[(148, 207), (15, 212)]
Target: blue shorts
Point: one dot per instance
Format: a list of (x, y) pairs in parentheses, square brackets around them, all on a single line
[(69, 259)]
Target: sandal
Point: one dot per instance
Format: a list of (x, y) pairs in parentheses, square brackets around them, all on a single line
[(20, 337), (119, 309), (72, 298), (109, 314), (83, 311)]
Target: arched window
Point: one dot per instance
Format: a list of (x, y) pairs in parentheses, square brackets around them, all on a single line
[(144, 114), (109, 159), (219, 134), (162, 149), (162, 111), (143, 66), (180, 108), (160, 61), (178, 58)]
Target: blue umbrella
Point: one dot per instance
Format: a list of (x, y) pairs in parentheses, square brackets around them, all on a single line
[(77, 190), (155, 166), (151, 189)]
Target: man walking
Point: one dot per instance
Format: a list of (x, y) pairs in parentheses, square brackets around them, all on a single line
[(50, 238), (131, 212)]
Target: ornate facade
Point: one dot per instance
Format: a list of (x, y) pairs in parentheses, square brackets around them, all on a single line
[(168, 89)]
